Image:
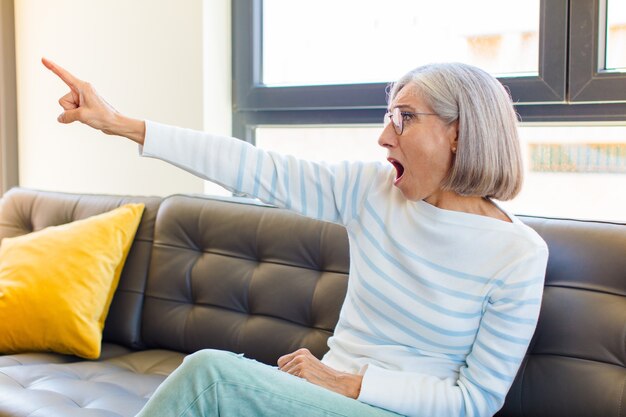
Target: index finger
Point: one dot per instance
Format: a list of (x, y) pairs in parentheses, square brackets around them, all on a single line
[(285, 359), (63, 74)]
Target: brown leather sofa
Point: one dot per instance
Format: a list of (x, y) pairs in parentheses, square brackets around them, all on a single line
[(236, 275)]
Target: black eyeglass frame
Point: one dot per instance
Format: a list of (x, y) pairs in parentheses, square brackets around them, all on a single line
[(396, 116)]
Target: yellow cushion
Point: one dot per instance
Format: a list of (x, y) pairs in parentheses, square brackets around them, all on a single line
[(56, 284)]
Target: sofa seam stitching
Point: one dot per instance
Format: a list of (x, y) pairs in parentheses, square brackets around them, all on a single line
[(579, 358), (147, 296), (168, 245), (13, 379), (597, 291), (619, 408), (521, 394)]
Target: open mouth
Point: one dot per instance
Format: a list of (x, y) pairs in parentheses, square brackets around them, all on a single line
[(399, 169)]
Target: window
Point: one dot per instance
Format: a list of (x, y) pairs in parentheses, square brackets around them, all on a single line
[(382, 38), (563, 61), (555, 85)]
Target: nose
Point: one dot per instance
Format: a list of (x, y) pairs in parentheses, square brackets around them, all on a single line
[(388, 137)]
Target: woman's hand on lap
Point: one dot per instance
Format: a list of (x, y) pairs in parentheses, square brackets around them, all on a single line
[(303, 364)]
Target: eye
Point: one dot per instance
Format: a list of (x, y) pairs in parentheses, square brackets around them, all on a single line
[(407, 116)]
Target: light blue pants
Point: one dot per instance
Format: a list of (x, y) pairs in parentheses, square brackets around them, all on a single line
[(218, 383)]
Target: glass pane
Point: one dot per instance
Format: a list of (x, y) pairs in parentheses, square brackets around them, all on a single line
[(361, 41), (571, 171), (574, 172), (331, 144), (616, 35)]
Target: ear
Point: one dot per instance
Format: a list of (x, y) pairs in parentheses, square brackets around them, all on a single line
[(453, 134)]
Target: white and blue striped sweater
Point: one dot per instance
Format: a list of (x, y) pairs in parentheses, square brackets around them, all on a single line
[(441, 305)]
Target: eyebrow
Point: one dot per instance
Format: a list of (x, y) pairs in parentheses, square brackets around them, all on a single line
[(403, 107)]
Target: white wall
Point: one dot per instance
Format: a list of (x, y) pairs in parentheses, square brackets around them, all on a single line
[(147, 58)]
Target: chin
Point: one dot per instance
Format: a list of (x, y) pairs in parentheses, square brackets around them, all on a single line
[(411, 195)]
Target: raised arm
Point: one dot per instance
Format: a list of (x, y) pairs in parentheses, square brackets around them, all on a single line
[(321, 191), (84, 104)]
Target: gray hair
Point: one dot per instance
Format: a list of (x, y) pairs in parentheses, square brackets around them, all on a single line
[(488, 161)]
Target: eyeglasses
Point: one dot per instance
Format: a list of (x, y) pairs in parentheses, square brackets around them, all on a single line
[(398, 117)]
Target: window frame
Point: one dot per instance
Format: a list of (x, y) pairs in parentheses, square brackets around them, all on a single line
[(589, 81), (546, 97)]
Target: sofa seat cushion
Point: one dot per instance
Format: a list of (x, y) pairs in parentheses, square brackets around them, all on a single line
[(107, 351), (114, 387)]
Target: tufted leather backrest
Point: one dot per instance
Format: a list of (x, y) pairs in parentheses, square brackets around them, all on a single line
[(246, 278), (23, 211), (576, 365)]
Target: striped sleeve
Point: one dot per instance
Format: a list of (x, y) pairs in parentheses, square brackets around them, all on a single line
[(506, 328), (323, 191)]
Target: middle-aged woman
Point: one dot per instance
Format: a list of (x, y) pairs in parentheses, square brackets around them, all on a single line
[(445, 286)]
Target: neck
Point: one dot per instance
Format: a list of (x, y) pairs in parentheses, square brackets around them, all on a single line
[(449, 200)]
